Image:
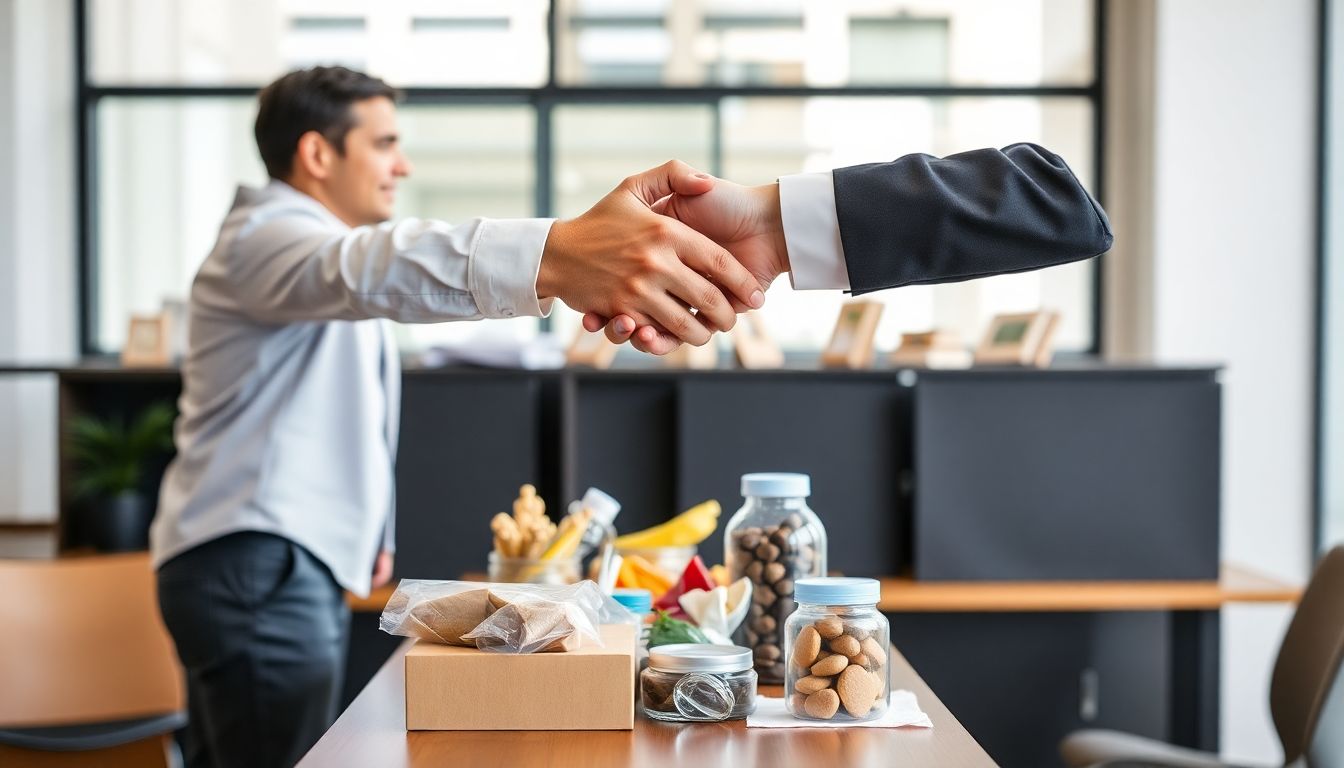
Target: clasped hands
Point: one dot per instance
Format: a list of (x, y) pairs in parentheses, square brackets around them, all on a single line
[(668, 257)]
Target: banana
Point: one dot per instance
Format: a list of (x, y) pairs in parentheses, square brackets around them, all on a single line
[(690, 527)]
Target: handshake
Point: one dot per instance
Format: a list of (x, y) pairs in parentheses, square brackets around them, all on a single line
[(668, 257)]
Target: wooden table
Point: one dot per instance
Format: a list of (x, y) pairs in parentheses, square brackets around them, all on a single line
[(372, 732), (906, 595)]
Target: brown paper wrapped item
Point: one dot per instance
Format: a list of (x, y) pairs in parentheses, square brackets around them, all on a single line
[(446, 619), (539, 627), (505, 618)]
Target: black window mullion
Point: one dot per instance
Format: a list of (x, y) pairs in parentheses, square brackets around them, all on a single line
[(1098, 99), (85, 172), (544, 158)]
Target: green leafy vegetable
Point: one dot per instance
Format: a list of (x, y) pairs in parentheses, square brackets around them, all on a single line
[(667, 630)]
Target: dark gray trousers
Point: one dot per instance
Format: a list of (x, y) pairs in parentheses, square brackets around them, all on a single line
[(262, 629)]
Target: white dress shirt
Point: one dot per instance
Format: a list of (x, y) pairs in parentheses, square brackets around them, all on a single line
[(291, 383), (291, 391)]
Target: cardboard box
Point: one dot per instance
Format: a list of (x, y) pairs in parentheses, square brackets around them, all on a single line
[(463, 689)]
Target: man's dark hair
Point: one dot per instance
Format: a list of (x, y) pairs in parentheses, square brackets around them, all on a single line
[(317, 99)]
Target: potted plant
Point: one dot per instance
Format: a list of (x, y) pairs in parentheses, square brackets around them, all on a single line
[(110, 460)]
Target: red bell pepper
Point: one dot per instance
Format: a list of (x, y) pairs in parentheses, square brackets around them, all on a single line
[(696, 576)]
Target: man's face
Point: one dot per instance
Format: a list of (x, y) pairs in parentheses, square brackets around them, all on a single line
[(362, 184)]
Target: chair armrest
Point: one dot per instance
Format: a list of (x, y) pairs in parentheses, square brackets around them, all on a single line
[(86, 736)]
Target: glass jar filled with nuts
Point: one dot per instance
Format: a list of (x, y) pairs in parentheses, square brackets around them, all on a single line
[(774, 540), (837, 644)]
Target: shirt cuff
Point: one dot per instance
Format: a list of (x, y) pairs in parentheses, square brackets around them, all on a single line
[(812, 232), (504, 264)]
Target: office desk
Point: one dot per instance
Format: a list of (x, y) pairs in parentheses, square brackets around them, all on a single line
[(372, 731), (1141, 656), (905, 595)]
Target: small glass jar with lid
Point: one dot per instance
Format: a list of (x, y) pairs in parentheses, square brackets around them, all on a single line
[(695, 682), (773, 540), (837, 644)]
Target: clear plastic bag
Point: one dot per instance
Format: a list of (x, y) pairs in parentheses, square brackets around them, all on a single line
[(505, 618)]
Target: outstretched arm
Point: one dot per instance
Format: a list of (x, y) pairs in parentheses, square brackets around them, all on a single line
[(918, 219)]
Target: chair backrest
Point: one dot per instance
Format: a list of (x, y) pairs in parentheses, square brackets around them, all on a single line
[(81, 641), (1325, 736), (1305, 666)]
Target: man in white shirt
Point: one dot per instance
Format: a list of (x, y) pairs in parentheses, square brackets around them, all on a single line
[(281, 493)]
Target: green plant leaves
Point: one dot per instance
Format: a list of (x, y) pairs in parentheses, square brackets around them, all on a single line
[(110, 457)]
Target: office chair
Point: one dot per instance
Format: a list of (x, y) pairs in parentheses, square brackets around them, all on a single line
[(88, 674), (1325, 749), (1304, 674)]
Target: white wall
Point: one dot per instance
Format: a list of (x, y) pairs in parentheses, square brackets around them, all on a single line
[(1233, 281), (37, 224)]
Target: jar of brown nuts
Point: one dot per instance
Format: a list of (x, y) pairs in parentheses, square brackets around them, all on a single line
[(837, 644), (774, 540)]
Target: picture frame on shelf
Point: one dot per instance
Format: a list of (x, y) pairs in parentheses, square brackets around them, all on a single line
[(931, 349), (851, 344), (1023, 338), (148, 341)]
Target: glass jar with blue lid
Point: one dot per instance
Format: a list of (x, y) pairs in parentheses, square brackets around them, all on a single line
[(773, 540), (837, 645)]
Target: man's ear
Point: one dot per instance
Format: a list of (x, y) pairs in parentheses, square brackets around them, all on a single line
[(314, 155)]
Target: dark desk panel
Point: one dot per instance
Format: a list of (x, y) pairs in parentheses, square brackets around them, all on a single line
[(850, 435), (1037, 476), (467, 444)]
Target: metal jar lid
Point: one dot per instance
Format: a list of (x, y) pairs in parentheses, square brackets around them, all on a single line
[(699, 657)]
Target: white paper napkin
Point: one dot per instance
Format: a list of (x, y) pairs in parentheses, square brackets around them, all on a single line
[(903, 711)]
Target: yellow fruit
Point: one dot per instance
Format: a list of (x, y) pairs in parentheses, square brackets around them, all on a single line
[(564, 545), (690, 527)]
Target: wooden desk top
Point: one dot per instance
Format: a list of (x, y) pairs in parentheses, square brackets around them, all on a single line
[(1237, 585), (905, 595), (373, 732)]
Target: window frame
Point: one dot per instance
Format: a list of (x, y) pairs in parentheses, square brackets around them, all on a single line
[(543, 100)]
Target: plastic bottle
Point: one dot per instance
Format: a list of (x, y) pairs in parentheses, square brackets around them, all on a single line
[(600, 528)]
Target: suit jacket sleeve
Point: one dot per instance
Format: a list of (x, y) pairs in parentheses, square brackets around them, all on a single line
[(921, 219)]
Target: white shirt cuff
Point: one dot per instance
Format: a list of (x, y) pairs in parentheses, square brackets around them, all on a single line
[(504, 265), (812, 232)]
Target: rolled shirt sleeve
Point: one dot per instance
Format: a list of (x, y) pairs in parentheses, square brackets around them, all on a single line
[(504, 265)]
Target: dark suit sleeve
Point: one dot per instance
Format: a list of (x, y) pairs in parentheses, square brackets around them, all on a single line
[(921, 219)]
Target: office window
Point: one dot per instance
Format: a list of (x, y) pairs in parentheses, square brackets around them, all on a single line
[(468, 161), (596, 146), (161, 198), (1330, 384), (747, 90), (827, 42), (251, 42), (821, 133)]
